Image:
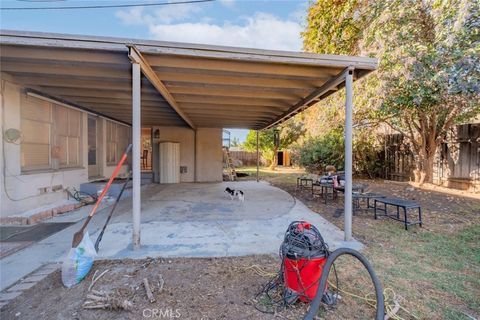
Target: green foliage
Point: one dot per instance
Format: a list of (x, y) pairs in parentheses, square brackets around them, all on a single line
[(235, 142), (290, 132), (428, 78), (316, 153), (329, 149)]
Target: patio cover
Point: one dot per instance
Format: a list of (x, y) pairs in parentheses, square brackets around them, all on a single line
[(146, 83), (212, 86)]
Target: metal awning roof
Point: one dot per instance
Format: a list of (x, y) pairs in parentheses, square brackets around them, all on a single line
[(189, 84)]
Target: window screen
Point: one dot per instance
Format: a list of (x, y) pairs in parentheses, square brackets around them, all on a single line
[(67, 124), (36, 126), (50, 131), (112, 141)]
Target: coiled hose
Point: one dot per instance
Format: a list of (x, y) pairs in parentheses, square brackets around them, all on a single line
[(315, 305)]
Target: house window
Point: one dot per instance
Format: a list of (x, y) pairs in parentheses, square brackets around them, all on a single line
[(51, 135), (118, 137), (112, 142), (123, 139), (67, 123), (36, 127)]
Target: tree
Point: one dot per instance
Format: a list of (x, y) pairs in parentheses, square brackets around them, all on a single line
[(289, 131), (235, 142), (429, 72)]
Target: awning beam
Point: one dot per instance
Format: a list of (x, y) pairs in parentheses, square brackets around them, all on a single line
[(331, 85), (136, 57)]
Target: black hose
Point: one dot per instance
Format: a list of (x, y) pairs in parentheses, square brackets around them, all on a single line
[(315, 305)]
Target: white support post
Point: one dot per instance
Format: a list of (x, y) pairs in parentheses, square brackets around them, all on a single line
[(258, 159), (348, 154), (136, 153)]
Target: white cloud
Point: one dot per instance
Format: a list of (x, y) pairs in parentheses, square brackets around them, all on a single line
[(166, 14), (262, 30)]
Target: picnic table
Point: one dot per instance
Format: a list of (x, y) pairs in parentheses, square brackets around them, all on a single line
[(398, 203)]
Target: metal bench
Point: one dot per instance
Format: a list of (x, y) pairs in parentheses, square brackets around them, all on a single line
[(303, 182), (358, 196), (326, 187), (398, 203)]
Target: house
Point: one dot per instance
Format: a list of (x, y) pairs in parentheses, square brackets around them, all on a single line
[(73, 103)]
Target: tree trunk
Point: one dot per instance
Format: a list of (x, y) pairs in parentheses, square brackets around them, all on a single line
[(424, 165), (274, 160)]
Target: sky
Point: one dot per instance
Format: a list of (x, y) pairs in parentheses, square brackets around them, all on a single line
[(263, 24)]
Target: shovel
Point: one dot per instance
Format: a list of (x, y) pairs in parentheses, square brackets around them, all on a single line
[(100, 236), (78, 236)]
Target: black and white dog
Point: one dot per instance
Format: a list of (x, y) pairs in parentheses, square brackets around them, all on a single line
[(235, 194)]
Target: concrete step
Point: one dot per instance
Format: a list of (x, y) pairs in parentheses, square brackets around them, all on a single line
[(96, 187), (147, 177)]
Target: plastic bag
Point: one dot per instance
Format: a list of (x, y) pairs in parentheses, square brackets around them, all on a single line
[(78, 263)]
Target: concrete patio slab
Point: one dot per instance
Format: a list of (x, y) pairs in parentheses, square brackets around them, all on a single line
[(200, 220), (182, 220)]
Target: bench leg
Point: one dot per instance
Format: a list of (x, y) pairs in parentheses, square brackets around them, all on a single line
[(398, 212), (375, 209), (406, 220), (420, 216)]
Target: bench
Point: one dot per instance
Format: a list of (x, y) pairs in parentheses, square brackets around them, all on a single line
[(398, 203), (358, 196), (303, 182), (326, 187), (324, 190)]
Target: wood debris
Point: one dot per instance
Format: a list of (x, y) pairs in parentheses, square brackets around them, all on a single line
[(150, 296), (104, 300), (95, 278)]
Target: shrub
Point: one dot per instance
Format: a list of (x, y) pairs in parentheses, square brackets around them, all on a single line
[(329, 149)]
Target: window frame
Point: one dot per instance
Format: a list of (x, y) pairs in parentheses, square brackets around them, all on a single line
[(53, 136)]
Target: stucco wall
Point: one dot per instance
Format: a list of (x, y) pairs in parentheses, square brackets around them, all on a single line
[(209, 155), (208, 146), (19, 191)]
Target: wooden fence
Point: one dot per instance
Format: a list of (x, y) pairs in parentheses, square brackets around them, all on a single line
[(247, 158)]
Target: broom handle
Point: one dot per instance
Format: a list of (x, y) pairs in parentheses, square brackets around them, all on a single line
[(112, 177)]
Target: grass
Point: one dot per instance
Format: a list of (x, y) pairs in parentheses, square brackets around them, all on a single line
[(434, 271)]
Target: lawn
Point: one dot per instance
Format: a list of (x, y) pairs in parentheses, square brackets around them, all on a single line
[(434, 271)]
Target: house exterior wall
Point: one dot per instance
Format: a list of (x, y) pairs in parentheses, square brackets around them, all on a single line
[(20, 191), (206, 166), (23, 191), (209, 155)]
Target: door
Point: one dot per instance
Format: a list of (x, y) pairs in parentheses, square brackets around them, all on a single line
[(93, 167), (280, 158)]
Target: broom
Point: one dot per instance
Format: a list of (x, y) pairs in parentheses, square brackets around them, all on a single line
[(78, 236)]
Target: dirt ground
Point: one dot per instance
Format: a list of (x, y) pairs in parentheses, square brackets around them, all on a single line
[(206, 288)]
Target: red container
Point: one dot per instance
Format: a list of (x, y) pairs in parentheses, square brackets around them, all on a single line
[(303, 276)]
